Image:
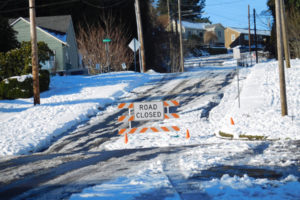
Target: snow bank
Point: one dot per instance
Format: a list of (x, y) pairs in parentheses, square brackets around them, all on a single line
[(245, 187), (260, 105), (26, 128)]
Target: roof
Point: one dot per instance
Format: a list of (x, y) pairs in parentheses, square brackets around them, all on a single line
[(55, 23), (200, 26), (213, 25), (246, 31), (60, 36)]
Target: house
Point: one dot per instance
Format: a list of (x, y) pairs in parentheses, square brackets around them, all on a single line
[(58, 33), (191, 28), (218, 30), (238, 36), (199, 29)]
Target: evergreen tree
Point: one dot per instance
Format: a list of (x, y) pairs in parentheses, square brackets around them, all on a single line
[(191, 10), (292, 8), (8, 36)]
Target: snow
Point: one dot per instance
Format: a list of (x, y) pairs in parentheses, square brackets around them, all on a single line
[(260, 109), (72, 100), (200, 26), (246, 31), (133, 187), (21, 78), (249, 188)]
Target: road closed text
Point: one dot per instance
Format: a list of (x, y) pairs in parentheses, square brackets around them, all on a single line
[(148, 111)]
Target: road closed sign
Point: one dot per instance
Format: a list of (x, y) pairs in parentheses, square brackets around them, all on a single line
[(148, 111)]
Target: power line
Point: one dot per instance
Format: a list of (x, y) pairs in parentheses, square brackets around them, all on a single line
[(40, 6), (225, 17), (117, 3), (223, 3), (206, 5), (262, 22)]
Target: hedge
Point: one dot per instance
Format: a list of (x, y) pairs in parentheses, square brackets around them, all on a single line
[(11, 88), (216, 50)]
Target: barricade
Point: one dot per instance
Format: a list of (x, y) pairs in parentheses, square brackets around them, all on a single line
[(144, 111)]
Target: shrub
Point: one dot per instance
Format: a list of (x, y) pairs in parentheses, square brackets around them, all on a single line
[(22, 86), (12, 89), (215, 51), (18, 61), (44, 80)]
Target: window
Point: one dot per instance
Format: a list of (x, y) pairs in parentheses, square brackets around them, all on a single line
[(219, 34), (232, 37), (246, 37)]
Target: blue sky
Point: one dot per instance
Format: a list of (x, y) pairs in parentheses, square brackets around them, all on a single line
[(234, 13)]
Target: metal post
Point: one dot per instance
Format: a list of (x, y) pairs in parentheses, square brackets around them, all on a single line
[(249, 34), (238, 85), (134, 50), (255, 36), (129, 114)]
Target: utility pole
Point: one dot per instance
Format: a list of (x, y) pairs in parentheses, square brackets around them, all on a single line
[(34, 54), (170, 39), (285, 35), (255, 36), (180, 37), (249, 33), (284, 110), (140, 34)]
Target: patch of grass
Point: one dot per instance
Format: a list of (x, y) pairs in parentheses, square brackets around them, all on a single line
[(248, 137), (253, 137), (227, 135)]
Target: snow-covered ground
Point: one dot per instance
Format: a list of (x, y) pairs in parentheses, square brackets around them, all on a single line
[(72, 100), (259, 113)]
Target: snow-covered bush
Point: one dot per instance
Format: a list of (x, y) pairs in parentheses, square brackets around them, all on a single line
[(22, 86)]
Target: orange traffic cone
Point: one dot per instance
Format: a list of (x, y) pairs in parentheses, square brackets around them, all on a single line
[(126, 138), (187, 134), (231, 121)]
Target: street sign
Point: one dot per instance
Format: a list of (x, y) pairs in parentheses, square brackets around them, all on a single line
[(106, 40), (148, 111), (123, 66), (134, 45), (236, 53)]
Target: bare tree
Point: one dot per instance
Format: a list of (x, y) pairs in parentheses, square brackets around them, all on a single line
[(93, 50), (210, 37)]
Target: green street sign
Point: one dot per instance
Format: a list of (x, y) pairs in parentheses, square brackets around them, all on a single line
[(107, 40)]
